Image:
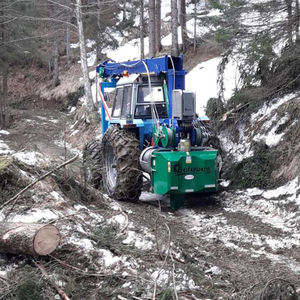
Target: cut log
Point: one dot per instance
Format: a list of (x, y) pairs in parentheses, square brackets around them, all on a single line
[(28, 238)]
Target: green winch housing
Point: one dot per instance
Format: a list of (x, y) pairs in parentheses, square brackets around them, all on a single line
[(178, 173)]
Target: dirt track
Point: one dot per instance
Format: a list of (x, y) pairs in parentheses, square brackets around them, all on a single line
[(220, 245)]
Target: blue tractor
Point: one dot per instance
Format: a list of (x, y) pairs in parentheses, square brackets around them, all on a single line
[(152, 128)]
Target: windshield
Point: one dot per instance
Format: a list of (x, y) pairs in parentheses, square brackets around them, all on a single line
[(143, 105)]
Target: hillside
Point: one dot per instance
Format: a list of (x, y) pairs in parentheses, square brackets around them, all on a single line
[(235, 244)]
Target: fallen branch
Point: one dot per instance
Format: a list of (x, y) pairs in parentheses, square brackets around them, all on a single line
[(15, 198), (61, 293), (66, 265), (164, 262)]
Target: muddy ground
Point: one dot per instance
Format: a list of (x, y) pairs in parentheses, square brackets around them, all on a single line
[(224, 246)]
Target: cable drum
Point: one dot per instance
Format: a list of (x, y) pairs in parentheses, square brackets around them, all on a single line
[(167, 138)]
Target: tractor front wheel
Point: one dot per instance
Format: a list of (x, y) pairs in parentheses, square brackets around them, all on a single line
[(122, 178), (92, 161)]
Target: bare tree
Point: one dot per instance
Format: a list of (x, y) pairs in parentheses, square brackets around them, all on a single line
[(195, 24), (182, 20), (54, 15), (55, 60), (84, 67), (175, 46), (98, 36), (289, 20), (297, 18), (157, 26), (142, 29), (68, 47), (151, 28)]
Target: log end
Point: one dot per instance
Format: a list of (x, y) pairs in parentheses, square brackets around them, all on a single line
[(46, 240)]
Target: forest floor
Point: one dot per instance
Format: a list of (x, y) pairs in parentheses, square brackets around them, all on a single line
[(224, 246)]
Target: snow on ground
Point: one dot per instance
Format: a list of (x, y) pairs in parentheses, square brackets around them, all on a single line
[(262, 126), (35, 215), (4, 148), (31, 158), (260, 205), (202, 80), (4, 132)]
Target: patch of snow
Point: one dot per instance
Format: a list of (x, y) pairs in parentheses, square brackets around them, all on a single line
[(73, 125), (225, 183), (287, 189), (214, 270), (4, 148), (240, 150), (54, 121), (118, 220), (91, 58), (74, 46), (272, 138), (35, 216), (5, 132), (56, 196), (74, 132), (161, 276), (30, 158), (268, 109), (73, 108), (90, 43), (139, 241), (108, 258), (202, 80), (83, 243)]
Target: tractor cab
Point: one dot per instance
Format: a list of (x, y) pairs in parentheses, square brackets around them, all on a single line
[(133, 99)]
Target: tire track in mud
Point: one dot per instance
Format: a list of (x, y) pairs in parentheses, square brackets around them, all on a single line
[(244, 237)]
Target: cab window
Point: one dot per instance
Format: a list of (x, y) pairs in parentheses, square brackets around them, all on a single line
[(118, 103), (126, 104), (143, 105)]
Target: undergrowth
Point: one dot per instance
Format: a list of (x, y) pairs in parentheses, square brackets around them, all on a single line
[(255, 171)]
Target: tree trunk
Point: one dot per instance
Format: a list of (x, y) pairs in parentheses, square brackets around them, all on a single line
[(175, 47), (157, 26), (289, 21), (4, 69), (84, 67), (195, 26), (68, 47), (151, 28), (297, 17), (182, 17), (98, 41), (55, 60), (32, 239), (142, 29), (49, 58)]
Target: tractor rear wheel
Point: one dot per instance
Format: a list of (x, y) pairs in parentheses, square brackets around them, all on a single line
[(122, 178), (92, 162)]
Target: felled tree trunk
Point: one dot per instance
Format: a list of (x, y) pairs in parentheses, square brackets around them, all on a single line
[(28, 238)]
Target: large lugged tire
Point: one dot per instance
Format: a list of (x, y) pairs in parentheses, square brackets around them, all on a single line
[(92, 163), (122, 178)]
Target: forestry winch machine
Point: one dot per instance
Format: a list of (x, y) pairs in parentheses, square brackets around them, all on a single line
[(152, 128)]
